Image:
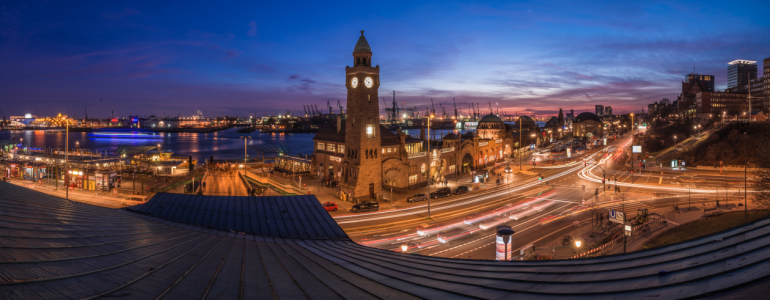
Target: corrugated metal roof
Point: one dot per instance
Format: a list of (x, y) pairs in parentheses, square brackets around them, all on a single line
[(51, 248), (281, 216)]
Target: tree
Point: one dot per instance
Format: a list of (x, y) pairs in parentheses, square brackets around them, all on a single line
[(761, 183)]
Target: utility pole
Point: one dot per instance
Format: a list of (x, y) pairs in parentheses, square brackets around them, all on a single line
[(430, 160)]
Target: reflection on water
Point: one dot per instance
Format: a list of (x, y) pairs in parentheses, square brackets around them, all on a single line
[(225, 144)]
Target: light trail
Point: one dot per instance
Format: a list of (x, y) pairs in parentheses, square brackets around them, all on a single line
[(444, 206)]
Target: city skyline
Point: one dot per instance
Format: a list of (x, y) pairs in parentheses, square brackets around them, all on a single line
[(534, 58)]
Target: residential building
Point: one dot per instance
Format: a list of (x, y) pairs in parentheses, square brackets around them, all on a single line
[(693, 84)]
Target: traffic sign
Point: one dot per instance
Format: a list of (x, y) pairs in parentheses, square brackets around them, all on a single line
[(617, 216)]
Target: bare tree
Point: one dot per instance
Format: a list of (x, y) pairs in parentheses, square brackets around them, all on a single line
[(761, 175)]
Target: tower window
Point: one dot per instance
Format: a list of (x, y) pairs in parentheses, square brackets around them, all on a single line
[(369, 130)]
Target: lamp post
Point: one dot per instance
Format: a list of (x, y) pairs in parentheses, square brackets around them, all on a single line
[(245, 138)]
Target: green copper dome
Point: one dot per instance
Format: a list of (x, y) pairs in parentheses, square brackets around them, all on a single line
[(362, 45)]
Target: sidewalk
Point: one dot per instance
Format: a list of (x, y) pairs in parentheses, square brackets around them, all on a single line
[(103, 199)]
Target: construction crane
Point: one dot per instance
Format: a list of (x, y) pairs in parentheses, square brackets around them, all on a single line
[(432, 107), (455, 105)]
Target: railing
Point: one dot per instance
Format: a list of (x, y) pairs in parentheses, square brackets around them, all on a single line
[(288, 188), (418, 154)]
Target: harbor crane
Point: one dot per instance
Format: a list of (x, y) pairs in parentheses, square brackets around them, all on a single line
[(432, 107), (454, 102)]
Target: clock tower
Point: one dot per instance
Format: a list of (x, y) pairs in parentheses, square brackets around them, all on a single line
[(363, 163)]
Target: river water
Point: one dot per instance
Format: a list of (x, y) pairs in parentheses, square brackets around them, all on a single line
[(225, 144)]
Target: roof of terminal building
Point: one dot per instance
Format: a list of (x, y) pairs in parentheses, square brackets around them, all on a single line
[(289, 217), (586, 116), (490, 118), (55, 249)]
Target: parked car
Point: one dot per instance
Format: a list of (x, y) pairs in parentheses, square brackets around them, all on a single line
[(442, 192), (461, 190), (330, 206), (366, 206), (417, 198)]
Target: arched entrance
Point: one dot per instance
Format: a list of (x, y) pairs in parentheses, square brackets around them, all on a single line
[(467, 163), (391, 178)]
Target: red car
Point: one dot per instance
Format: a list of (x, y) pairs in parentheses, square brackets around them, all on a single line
[(330, 206)]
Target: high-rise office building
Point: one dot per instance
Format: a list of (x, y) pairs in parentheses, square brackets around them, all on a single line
[(608, 111), (599, 110), (740, 72)]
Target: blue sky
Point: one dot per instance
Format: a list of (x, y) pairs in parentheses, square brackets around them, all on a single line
[(237, 58)]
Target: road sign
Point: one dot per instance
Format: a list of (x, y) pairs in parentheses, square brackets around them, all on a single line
[(628, 228), (617, 216), (636, 149)]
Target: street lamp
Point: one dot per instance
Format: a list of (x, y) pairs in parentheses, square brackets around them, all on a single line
[(245, 138)]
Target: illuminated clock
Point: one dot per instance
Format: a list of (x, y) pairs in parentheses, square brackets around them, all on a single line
[(368, 82), (354, 82)]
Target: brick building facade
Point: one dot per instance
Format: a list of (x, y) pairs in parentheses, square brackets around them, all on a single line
[(366, 158)]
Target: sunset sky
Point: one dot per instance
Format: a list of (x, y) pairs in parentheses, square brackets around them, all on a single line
[(237, 58)]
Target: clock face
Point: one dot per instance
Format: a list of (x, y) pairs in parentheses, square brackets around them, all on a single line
[(354, 82), (368, 82)]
